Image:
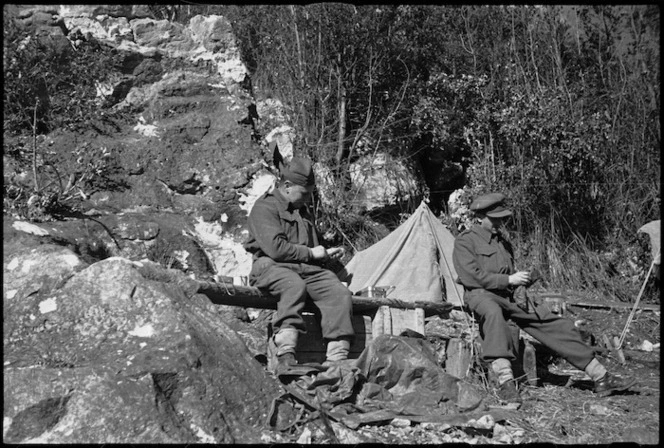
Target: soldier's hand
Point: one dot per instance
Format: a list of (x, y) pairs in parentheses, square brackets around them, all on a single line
[(520, 278), (336, 252), (319, 253)]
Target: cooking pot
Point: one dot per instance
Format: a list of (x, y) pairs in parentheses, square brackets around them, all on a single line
[(375, 291)]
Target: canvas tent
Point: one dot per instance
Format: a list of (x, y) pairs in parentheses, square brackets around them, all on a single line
[(416, 259)]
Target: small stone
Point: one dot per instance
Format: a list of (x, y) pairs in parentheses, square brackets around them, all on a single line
[(400, 423), (12, 264), (598, 409), (484, 422), (48, 305), (305, 437)]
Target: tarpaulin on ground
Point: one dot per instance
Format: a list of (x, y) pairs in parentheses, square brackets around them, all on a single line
[(416, 259), (395, 376)]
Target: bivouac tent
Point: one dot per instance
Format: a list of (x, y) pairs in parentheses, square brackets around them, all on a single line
[(415, 259)]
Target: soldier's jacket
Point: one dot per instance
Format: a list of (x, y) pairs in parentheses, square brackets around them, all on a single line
[(280, 232), (483, 260)]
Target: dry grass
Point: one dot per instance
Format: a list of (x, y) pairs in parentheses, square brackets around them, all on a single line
[(575, 266), (565, 415)]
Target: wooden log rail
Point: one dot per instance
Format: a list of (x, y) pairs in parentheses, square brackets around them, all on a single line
[(222, 293), (571, 300)]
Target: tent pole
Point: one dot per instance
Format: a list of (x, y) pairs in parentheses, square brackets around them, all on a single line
[(636, 304)]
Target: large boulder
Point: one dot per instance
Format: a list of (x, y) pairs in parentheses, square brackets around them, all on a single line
[(41, 268), (382, 181), (115, 352)]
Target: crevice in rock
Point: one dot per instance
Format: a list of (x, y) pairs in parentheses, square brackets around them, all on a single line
[(166, 387), (37, 419)]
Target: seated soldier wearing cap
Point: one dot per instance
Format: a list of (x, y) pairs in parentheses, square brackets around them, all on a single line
[(288, 264), (484, 262)]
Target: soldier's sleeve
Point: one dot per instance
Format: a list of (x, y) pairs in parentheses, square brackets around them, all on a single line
[(265, 227), (470, 272)]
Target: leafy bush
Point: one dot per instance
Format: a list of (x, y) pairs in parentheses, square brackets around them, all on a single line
[(51, 83), (60, 182), (49, 79)]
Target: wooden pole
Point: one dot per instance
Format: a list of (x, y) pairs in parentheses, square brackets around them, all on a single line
[(619, 351), (612, 346), (636, 304), (222, 293)]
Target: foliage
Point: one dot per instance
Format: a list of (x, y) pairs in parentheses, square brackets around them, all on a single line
[(54, 77), (557, 106), (50, 84), (64, 178), (559, 150)]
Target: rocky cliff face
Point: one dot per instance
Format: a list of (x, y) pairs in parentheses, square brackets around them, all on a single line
[(191, 147)]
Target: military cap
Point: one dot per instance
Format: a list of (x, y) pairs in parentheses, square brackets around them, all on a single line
[(298, 171), (491, 205)]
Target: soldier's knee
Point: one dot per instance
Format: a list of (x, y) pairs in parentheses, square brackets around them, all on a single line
[(345, 298), (488, 308), (287, 283), (344, 291), (297, 286)]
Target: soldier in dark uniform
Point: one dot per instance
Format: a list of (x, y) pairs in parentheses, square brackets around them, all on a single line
[(288, 264), (484, 262)]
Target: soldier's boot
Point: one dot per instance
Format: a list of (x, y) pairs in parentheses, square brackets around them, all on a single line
[(337, 351), (285, 342), (610, 384), (605, 383), (507, 391)]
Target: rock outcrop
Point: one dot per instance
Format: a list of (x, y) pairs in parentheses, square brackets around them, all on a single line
[(120, 352)]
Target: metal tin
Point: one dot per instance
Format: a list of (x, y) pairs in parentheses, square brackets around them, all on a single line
[(556, 305), (375, 291)]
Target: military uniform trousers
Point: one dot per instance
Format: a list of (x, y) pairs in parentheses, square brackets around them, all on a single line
[(556, 333), (293, 283)]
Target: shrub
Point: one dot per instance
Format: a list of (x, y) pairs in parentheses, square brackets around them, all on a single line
[(51, 83), (51, 78)]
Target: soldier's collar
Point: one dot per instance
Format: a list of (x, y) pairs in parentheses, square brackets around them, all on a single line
[(283, 203), (485, 234)]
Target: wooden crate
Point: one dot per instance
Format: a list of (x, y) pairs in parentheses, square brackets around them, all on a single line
[(312, 348), (385, 320), (394, 321)]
